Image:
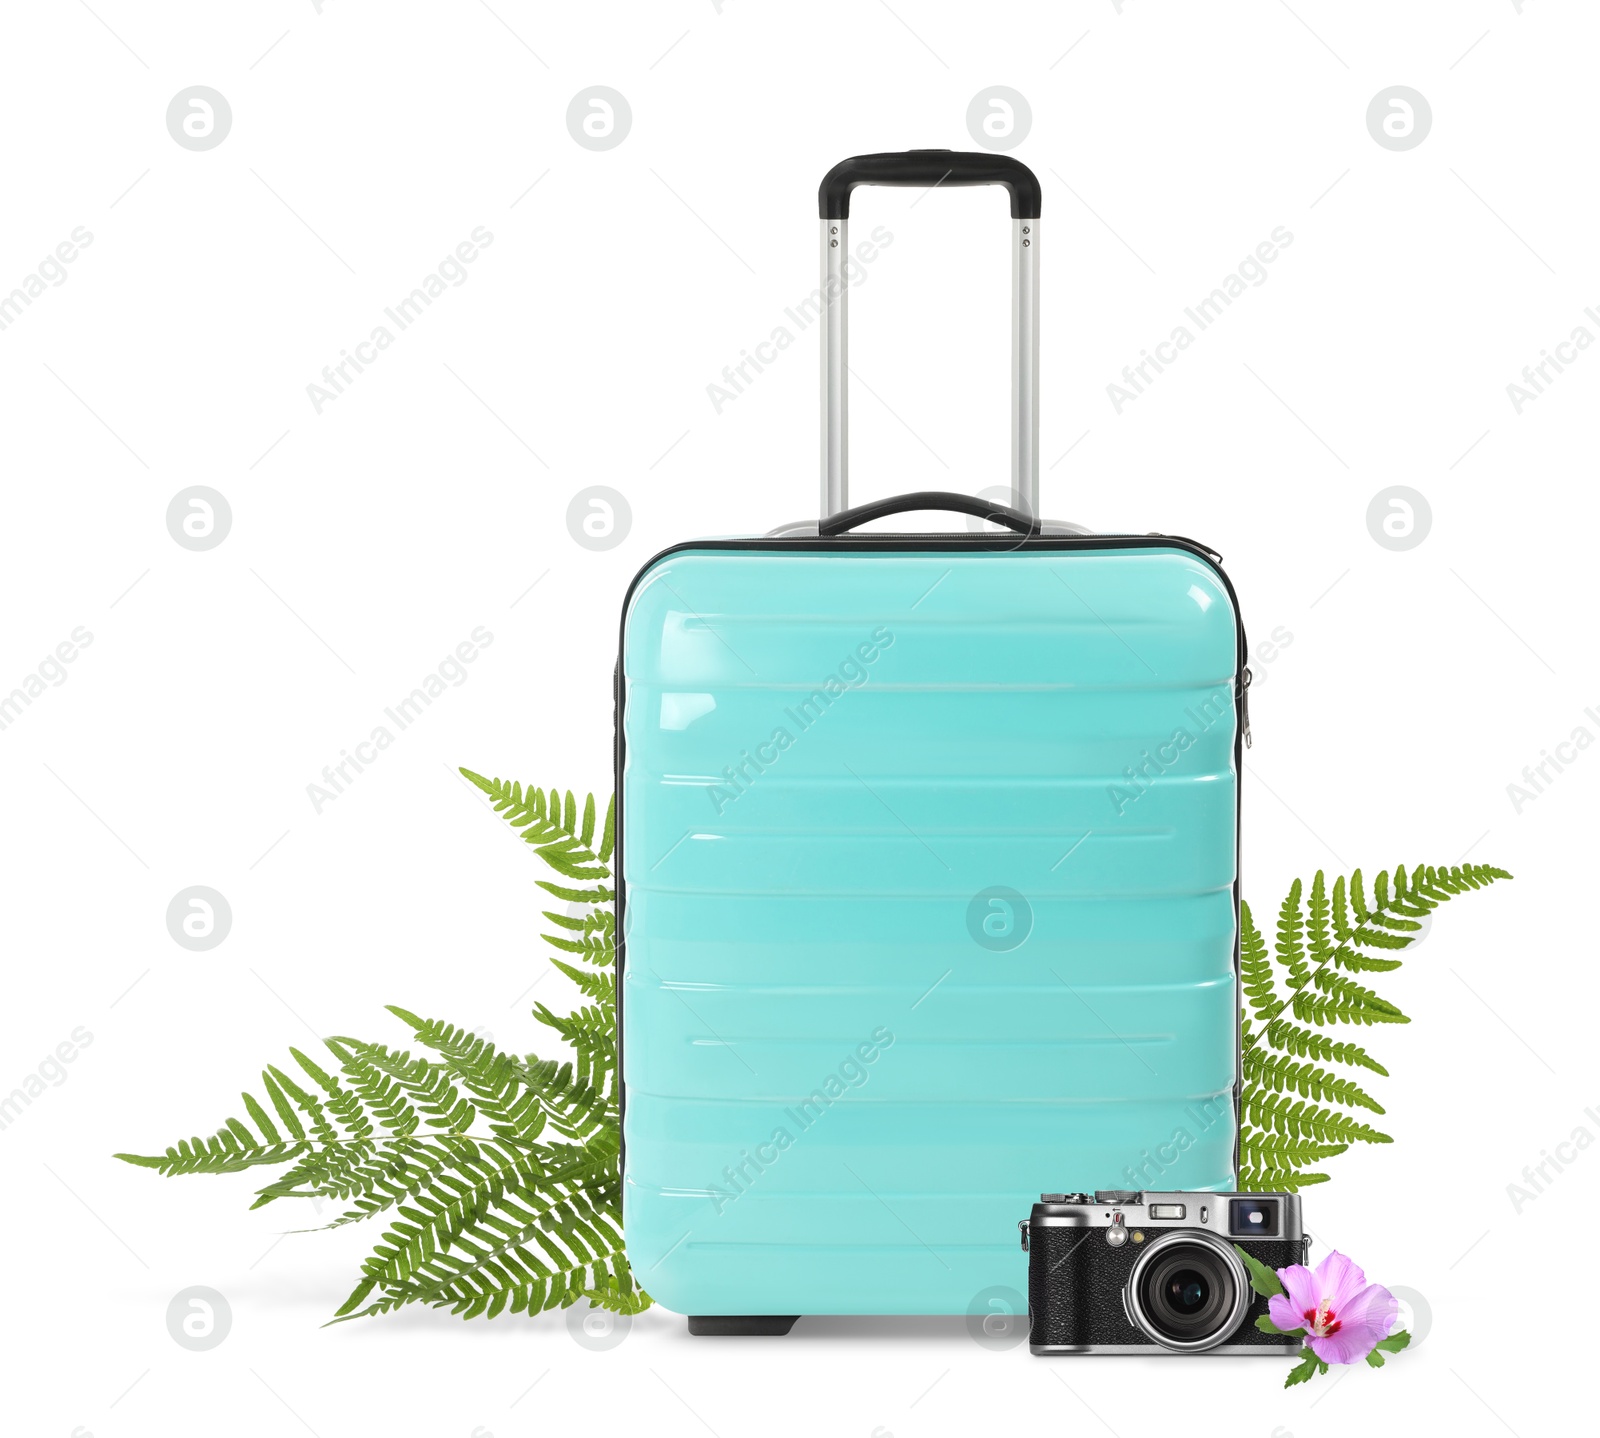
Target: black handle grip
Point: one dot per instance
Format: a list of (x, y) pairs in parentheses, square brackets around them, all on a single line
[(847, 519), (929, 168)]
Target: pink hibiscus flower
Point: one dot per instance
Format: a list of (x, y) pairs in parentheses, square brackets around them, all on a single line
[(1343, 1315)]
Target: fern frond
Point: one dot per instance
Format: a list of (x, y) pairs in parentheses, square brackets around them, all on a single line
[(374, 1176), (341, 1103), (400, 1090), (592, 1032), (513, 1252), (340, 1173), (488, 1075), (594, 894), (1374, 935), (1361, 931), (1336, 986), (551, 1165), (1276, 1180), (1318, 927), (1401, 901), (1260, 1148), (1359, 963), (224, 1152), (462, 1199), (1313, 1009), (1408, 902), (302, 1121), (1442, 884), (550, 825), (597, 984), (620, 1295), (596, 949), (1256, 968), (500, 1175), (575, 1107), (1290, 948), (1282, 1075), (1308, 1044), (1301, 1119), (596, 921)]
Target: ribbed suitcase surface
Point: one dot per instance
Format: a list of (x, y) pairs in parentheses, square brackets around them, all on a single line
[(849, 1064)]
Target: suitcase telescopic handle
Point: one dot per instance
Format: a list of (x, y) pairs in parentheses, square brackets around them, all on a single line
[(928, 168), (932, 169)]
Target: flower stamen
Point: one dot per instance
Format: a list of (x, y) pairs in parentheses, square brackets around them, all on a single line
[(1321, 1321)]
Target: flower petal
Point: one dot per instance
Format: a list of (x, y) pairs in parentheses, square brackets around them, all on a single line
[(1338, 1281), (1364, 1319), (1301, 1288), (1283, 1311), (1329, 1350)]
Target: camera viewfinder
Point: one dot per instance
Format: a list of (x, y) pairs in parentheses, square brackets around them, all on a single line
[(1253, 1217)]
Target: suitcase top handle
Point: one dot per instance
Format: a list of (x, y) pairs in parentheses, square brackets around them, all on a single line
[(847, 519), (931, 169)]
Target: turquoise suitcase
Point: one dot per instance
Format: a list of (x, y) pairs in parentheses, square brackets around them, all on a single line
[(928, 848)]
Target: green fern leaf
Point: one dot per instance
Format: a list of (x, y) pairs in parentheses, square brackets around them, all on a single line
[(1290, 948), (592, 1032), (1314, 1009), (621, 1295), (1308, 1044), (1256, 968), (1261, 1149), (1336, 986), (499, 1176), (597, 949), (546, 823), (596, 921), (403, 1092), (1318, 926), (595, 894), (576, 1108), (1301, 1119), (222, 1153), (597, 984), (1281, 1074), (1357, 962), (1276, 1180), (516, 1253)]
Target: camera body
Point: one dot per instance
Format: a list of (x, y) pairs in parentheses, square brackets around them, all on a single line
[(1129, 1272)]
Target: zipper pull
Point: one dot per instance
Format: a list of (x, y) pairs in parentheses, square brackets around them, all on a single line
[(1244, 704)]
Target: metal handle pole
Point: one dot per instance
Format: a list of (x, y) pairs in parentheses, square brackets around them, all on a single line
[(1025, 366), (835, 369)]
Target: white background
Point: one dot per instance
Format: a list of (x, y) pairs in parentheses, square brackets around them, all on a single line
[(368, 540)]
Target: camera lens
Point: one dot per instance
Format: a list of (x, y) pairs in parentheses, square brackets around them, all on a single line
[(1187, 1291), (1187, 1295)]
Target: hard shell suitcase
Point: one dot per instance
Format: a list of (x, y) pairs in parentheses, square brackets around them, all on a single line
[(928, 847)]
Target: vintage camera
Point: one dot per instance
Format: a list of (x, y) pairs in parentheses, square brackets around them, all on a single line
[(1128, 1272)]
